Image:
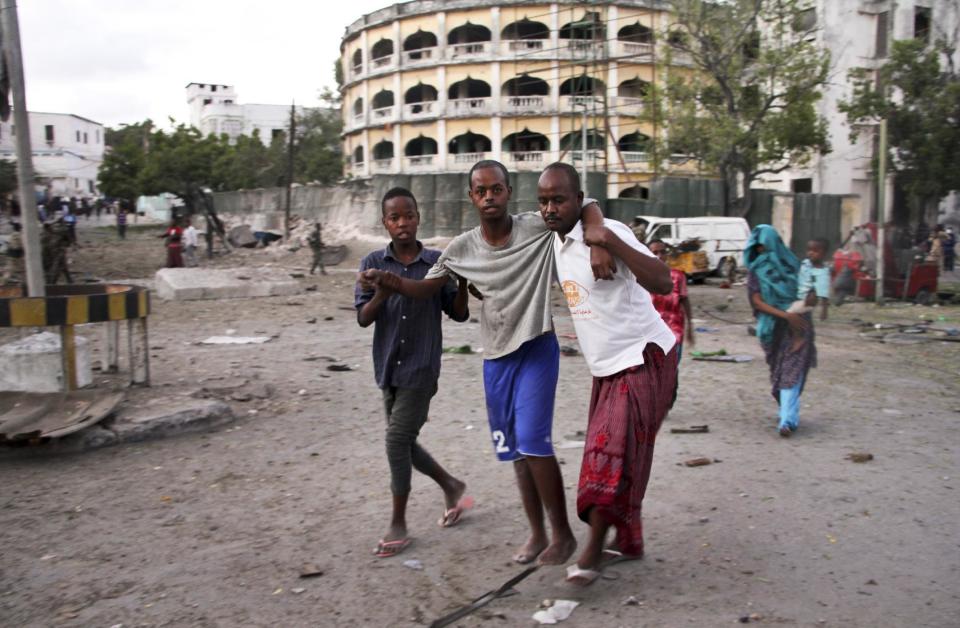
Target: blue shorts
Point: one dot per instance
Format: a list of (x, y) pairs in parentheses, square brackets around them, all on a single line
[(520, 389)]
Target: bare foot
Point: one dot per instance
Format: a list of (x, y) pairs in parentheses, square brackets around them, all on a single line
[(530, 550), (559, 551)]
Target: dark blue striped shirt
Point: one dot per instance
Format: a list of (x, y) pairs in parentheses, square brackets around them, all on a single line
[(407, 341)]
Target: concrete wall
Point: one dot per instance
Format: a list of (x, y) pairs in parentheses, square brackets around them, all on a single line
[(352, 209)]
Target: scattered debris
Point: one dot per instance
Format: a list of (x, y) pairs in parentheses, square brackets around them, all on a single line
[(708, 354), (859, 457), (697, 462), (236, 340), (707, 330), (297, 591), (631, 601), (309, 570), (461, 349), (413, 563), (559, 611), (312, 320), (570, 444), (693, 429), (339, 367), (567, 350), (737, 359), (328, 318), (297, 275)]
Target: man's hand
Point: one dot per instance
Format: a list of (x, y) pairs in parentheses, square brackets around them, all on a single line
[(374, 279), (601, 261), (475, 292), (691, 338)]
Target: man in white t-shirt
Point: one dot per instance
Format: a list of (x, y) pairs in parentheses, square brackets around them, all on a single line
[(631, 355), (190, 243)]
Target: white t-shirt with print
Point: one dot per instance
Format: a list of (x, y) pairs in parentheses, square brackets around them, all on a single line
[(614, 319)]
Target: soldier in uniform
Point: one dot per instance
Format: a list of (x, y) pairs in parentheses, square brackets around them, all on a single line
[(55, 241), (316, 245)]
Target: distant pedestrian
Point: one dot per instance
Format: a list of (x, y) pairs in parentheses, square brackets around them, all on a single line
[(70, 220), (949, 249), (173, 238), (54, 244), (121, 222), (316, 246), (190, 240), (787, 338)]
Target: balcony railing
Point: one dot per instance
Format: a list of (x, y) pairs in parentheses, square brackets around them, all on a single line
[(358, 119), (425, 109), (583, 48), (578, 102), (626, 104), (475, 49), (468, 106), (420, 162), (527, 160), (383, 165), (357, 167), (524, 104), (420, 55), (382, 62), (633, 49), (463, 161), (593, 154), (384, 114), (357, 70)]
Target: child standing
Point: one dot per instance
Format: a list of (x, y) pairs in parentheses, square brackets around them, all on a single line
[(674, 308), (630, 352), (407, 344)]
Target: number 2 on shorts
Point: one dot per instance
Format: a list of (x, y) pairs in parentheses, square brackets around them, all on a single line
[(500, 439)]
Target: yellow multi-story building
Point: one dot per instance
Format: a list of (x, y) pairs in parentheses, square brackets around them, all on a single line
[(433, 87)]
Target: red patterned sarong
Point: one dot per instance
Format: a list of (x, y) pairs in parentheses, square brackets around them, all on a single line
[(626, 410)]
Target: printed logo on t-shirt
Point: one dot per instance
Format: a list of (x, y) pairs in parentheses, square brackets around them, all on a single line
[(577, 297)]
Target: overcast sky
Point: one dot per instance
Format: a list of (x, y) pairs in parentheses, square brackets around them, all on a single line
[(121, 61)]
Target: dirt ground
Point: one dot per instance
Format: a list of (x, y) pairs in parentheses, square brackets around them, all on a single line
[(212, 529)]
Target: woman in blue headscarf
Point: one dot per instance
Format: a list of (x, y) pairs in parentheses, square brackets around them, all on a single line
[(787, 338)]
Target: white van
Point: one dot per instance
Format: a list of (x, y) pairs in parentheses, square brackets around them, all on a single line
[(720, 237)]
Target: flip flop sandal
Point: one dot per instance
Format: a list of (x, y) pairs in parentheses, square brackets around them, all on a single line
[(386, 549), (451, 516), (582, 577)]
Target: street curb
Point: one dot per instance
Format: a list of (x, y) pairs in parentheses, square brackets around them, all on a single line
[(134, 425)]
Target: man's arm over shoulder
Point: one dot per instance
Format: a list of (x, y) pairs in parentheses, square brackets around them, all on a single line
[(649, 271)]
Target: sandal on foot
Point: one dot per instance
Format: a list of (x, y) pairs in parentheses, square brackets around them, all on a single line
[(386, 549), (451, 516), (579, 576)]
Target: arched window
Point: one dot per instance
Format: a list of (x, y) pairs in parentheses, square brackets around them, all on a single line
[(358, 155), (383, 150), (383, 98), (635, 33), (635, 142), (590, 27), (574, 140), (526, 141), (525, 85), (469, 88), (470, 142), (468, 34), (358, 107), (633, 88), (582, 85), (357, 60), (635, 191), (420, 146), (525, 29), (415, 45), (420, 93), (381, 49)]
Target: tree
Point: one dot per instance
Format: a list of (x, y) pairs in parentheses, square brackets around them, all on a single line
[(182, 162), (742, 81), (245, 165), (318, 155), (124, 159), (918, 92)]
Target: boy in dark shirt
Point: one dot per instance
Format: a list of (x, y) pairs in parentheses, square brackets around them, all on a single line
[(407, 344)]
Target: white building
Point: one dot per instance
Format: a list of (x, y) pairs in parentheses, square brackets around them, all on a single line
[(214, 110), (67, 151), (858, 34)]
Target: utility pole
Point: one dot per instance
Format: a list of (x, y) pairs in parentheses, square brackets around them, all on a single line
[(583, 150), (10, 29), (881, 211), (290, 132)]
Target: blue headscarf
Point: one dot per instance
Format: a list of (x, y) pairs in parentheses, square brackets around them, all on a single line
[(776, 271)]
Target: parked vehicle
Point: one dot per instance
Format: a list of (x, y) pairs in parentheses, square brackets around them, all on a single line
[(722, 239)]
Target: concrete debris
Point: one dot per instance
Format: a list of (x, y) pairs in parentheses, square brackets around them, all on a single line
[(242, 236), (236, 340)]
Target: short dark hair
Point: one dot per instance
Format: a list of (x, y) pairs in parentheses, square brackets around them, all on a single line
[(656, 241), (573, 177), (823, 243), (395, 193), (488, 163)]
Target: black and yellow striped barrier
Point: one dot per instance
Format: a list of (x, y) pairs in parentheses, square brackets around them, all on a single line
[(67, 305), (73, 305)]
